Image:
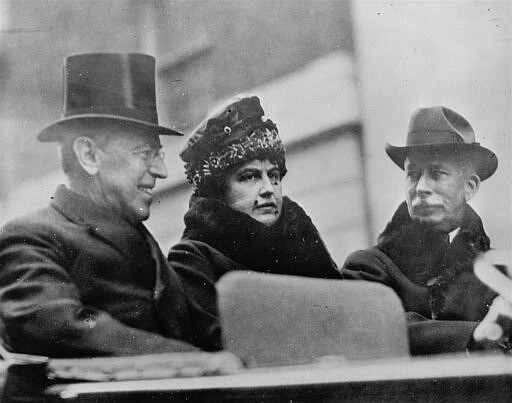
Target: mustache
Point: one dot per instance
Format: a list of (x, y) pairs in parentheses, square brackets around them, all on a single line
[(423, 205), (267, 204)]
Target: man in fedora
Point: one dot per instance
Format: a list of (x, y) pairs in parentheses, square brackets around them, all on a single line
[(426, 251), (83, 276)]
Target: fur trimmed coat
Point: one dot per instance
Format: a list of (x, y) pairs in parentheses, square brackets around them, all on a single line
[(218, 239), (432, 277)]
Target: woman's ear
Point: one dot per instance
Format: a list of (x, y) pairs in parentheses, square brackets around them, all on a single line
[(472, 186), (86, 152)]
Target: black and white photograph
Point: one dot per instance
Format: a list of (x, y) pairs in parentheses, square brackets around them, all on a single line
[(255, 200)]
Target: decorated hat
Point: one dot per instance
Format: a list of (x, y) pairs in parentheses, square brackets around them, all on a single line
[(440, 128), (234, 134), (117, 87)]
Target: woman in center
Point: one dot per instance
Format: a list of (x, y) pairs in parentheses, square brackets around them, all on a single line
[(238, 218)]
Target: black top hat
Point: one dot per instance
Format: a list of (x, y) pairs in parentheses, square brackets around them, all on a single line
[(437, 128), (112, 86)]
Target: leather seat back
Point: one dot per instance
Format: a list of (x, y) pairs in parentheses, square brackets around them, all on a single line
[(273, 320)]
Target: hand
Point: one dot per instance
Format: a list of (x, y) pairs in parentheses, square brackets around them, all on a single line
[(225, 363)]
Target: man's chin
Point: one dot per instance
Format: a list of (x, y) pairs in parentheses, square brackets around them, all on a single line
[(436, 223), (427, 219), (143, 217), (141, 214)]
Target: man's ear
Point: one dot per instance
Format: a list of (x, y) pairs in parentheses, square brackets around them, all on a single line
[(86, 152), (472, 186)]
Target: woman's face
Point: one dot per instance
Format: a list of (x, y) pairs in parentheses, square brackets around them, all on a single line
[(254, 188)]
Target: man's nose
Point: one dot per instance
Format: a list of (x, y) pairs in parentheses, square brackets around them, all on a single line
[(423, 186), (158, 168)]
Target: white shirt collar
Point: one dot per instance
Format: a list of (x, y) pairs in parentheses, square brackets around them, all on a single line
[(453, 233)]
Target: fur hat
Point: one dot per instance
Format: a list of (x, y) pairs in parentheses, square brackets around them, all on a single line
[(234, 134), (440, 128)]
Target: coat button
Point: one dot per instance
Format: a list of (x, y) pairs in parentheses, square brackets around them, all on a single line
[(431, 281)]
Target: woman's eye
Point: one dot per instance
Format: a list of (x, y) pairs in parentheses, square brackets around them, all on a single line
[(275, 176), (247, 177)]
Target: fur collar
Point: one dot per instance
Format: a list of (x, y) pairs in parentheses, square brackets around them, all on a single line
[(291, 246), (427, 258)]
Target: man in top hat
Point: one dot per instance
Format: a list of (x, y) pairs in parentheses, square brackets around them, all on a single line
[(83, 276), (426, 251)]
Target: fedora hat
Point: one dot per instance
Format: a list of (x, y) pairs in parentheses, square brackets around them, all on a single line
[(117, 87), (439, 128)]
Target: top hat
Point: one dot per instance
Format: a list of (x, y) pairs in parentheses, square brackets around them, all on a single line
[(439, 128), (118, 87), (235, 133)]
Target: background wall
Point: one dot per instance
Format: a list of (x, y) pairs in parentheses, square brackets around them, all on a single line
[(340, 78), (421, 53), (298, 56), (35, 35)]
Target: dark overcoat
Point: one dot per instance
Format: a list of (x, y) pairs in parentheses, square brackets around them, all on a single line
[(218, 239), (76, 280), (433, 277)]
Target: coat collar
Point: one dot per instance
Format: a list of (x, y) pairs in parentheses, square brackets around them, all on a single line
[(291, 246), (470, 231), (427, 259), (99, 221)]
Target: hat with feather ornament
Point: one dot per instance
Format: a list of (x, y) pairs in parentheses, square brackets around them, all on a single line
[(234, 134)]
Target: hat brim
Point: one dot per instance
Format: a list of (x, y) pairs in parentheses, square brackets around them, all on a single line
[(486, 162), (56, 130)]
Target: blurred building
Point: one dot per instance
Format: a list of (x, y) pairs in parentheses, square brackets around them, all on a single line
[(298, 56), (34, 37), (321, 68)]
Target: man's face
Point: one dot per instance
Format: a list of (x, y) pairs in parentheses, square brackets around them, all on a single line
[(130, 163), (437, 188), (255, 189)]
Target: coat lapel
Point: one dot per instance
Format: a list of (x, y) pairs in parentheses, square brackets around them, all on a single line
[(111, 228), (168, 292), (162, 272)]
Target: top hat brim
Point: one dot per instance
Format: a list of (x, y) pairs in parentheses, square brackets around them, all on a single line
[(56, 130), (486, 162)]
